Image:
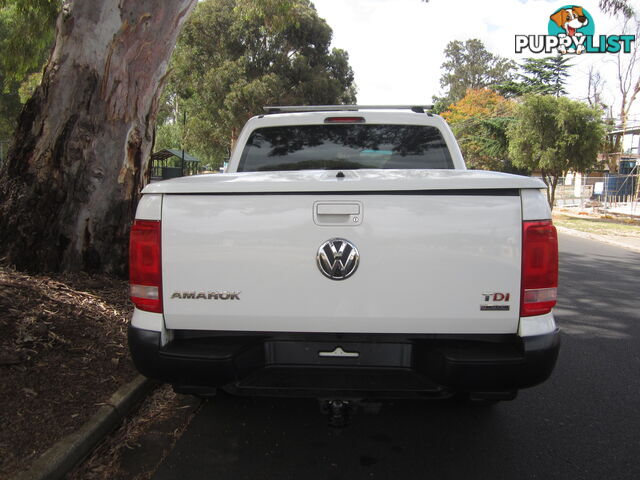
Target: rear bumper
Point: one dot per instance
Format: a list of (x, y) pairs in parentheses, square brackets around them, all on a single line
[(386, 365)]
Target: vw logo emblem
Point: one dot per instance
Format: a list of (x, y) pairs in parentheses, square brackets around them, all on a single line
[(338, 258)]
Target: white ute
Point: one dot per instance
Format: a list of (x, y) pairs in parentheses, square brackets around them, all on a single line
[(347, 253)]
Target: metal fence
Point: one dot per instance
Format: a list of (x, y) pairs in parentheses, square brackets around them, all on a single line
[(605, 191)]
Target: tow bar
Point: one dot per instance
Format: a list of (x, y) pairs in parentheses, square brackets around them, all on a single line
[(340, 410)]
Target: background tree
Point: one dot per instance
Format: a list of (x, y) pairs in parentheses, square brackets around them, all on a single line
[(26, 35), (553, 136), (469, 65), (539, 76), (229, 64), (612, 146), (595, 85), (71, 181), (616, 7), (80, 151), (480, 121), (609, 147), (9, 109), (628, 82)]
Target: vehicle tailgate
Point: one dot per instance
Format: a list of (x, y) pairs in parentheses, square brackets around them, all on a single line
[(432, 262)]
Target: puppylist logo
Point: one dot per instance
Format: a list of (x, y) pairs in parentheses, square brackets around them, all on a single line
[(572, 30)]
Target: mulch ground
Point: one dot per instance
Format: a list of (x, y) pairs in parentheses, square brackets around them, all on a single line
[(137, 448), (63, 352)]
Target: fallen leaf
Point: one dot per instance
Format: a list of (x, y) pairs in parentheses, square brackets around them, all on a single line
[(30, 392)]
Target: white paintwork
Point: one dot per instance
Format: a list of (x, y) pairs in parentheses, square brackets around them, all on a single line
[(535, 205), (147, 320), (153, 322), (335, 108), (332, 213), (330, 208), (354, 181), (426, 261), (149, 207), (538, 325)]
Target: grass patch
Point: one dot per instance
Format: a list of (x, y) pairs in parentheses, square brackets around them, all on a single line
[(599, 226)]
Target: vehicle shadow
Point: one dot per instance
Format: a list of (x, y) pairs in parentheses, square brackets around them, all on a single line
[(235, 437)]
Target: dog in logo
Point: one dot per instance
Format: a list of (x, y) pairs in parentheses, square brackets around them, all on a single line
[(570, 19)]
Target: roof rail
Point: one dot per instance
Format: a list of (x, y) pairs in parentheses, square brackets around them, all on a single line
[(350, 108)]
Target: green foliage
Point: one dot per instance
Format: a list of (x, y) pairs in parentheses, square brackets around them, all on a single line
[(610, 146), (276, 14), (173, 134), (493, 144), (235, 56), (168, 135), (28, 86), (555, 135), (469, 65), (27, 34), (27, 29), (540, 76), (479, 122), (9, 109)]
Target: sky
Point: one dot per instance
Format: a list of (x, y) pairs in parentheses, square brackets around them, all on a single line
[(396, 46)]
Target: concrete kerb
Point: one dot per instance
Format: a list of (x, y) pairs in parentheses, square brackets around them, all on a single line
[(64, 455), (633, 246)]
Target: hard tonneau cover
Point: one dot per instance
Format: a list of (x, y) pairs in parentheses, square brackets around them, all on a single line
[(352, 181)]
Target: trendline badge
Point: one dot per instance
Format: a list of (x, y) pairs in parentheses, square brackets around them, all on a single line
[(571, 30)]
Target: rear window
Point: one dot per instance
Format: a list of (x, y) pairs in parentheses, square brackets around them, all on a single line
[(352, 146)]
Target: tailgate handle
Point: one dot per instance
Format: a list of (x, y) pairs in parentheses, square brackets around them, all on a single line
[(338, 209)]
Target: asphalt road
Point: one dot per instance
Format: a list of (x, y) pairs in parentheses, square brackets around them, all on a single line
[(582, 423)]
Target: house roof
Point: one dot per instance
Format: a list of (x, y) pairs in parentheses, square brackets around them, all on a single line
[(173, 152), (629, 130)]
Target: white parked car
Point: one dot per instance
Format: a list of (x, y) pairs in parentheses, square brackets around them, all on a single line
[(348, 252)]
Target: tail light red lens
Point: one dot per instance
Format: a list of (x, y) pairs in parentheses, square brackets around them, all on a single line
[(145, 268), (539, 268)]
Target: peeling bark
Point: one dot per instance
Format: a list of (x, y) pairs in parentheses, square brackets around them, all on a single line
[(81, 148)]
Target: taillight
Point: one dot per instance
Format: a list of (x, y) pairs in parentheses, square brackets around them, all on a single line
[(539, 268), (145, 274)]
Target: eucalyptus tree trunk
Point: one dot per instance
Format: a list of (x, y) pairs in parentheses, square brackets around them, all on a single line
[(551, 180), (80, 153)]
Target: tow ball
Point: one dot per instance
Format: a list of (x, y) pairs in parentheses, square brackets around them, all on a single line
[(338, 410)]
